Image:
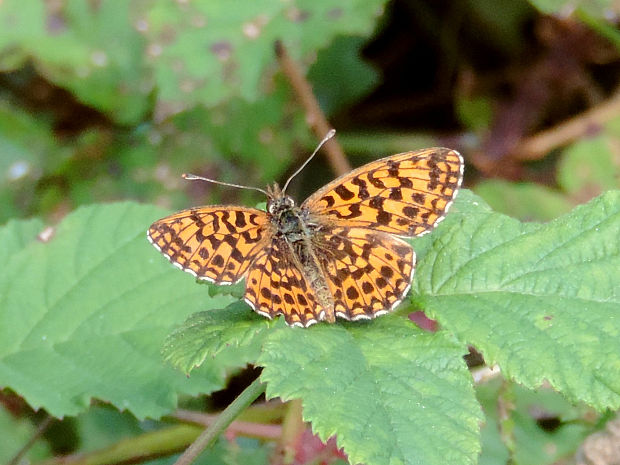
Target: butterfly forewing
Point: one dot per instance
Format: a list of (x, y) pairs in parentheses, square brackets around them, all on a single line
[(213, 243), (405, 194)]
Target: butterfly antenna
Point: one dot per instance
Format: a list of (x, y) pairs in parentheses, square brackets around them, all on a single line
[(328, 136), (193, 177)]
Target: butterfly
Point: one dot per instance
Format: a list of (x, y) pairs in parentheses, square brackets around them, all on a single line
[(338, 254)]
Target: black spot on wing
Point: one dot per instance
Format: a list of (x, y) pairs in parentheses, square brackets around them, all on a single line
[(344, 193), (240, 219), (363, 189)]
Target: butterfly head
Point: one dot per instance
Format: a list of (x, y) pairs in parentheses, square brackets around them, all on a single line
[(278, 201)]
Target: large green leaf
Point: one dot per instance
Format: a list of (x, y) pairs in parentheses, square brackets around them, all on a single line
[(84, 315), (391, 393), (15, 235), (235, 43), (542, 301), (92, 49)]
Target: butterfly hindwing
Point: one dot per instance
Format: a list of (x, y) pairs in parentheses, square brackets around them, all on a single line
[(368, 272), (275, 285)]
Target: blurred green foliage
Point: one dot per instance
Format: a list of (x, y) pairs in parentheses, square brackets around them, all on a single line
[(542, 427), (143, 91)]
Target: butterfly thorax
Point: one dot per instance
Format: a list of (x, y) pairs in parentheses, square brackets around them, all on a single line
[(292, 227), (284, 214)]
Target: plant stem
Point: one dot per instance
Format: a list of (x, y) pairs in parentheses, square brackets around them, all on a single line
[(538, 145), (40, 430), (293, 427), (209, 435), (237, 427), (159, 443), (314, 115)]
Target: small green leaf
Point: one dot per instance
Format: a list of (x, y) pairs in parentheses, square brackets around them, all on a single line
[(533, 443), (84, 315), (590, 166), (206, 334), (391, 393), (494, 451), (340, 77), (14, 433), (26, 144), (597, 7), (542, 301), (475, 113), (526, 201)]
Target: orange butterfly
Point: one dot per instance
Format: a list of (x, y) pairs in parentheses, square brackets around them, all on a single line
[(335, 255)]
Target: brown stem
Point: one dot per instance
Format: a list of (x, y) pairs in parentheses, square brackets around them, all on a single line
[(293, 427), (538, 145), (160, 443), (243, 428), (314, 115), (38, 433)]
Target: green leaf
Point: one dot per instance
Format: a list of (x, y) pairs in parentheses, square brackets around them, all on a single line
[(94, 51), (16, 235), (597, 7), (206, 334), (26, 144), (590, 166), (532, 443), (526, 201), (494, 451), (542, 301), (235, 43), (594, 13), (475, 113), (340, 77), (248, 141), (102, 425), (247, 451), (84, 315), (14, 434), (391, 393)]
